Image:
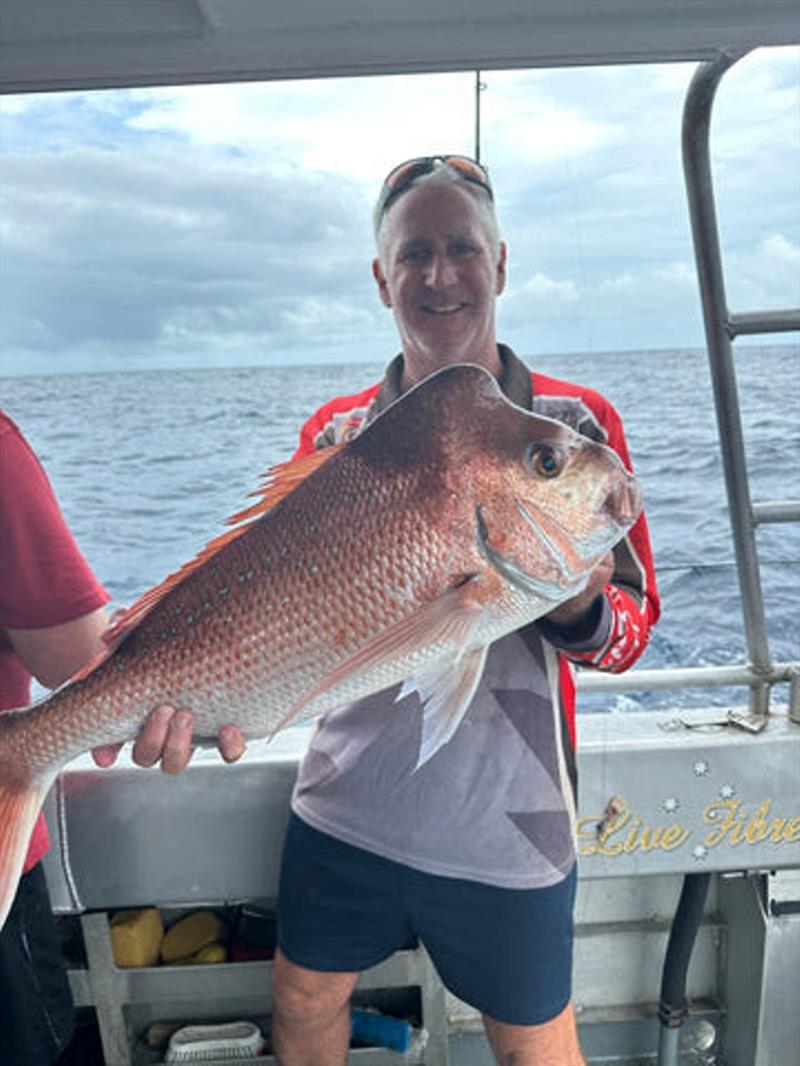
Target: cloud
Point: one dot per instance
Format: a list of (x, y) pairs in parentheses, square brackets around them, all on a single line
[(781, 251), (231, 223), (621, 285), (765, 277), (112, 255), (349, 128), (549, 294), (679, 275), (553, 127), (311, 314)]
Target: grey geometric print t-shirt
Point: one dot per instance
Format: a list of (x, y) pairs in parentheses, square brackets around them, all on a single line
[(495, 804)]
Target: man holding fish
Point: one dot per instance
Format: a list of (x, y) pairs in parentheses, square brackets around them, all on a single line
[(471, 852), (421, 577)]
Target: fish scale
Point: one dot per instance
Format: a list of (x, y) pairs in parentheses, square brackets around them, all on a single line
[(398, 556)]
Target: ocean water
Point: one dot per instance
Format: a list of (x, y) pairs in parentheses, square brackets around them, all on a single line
[(148, 465)]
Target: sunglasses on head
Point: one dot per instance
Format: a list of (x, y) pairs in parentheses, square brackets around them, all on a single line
[(403, 176)]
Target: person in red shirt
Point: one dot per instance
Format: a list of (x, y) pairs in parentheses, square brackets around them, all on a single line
[(52, 619), (472, 854)]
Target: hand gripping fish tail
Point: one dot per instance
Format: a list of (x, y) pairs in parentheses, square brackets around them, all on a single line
[(457, 516)]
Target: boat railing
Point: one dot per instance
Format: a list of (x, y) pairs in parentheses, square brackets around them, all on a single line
[(759, 673)]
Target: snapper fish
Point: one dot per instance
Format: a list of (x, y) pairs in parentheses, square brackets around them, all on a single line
[(452, 519)]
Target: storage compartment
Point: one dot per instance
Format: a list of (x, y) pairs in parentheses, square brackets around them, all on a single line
[(129, 1001)]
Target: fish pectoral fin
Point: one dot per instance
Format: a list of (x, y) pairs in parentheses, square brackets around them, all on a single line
[(19, 809), (449, 619), (445, 689)]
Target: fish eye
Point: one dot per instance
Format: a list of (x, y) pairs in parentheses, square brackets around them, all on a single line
[(546, 461)]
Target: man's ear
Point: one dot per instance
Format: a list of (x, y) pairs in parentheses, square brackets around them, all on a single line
[(501, 269), (383, 286)]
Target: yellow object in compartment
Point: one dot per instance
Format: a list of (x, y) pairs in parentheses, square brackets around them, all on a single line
[(136, 937), (209, 954), (190, 935)]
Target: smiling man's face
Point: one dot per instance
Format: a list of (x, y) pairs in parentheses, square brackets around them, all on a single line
[(440, 270)]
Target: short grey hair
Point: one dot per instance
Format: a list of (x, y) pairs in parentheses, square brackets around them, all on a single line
[(442, 173)]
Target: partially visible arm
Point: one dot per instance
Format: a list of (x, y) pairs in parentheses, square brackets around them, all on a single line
[(53, 654), (45, 578)]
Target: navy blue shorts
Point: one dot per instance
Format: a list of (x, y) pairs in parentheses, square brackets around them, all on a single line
[(506, 952)]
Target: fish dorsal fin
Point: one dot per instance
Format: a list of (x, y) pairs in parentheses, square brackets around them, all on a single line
[(280, 481), (277, 483)]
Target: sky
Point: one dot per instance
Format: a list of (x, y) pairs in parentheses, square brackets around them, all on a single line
[(229, 225)]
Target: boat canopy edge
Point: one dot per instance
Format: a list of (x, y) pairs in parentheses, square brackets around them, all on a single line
[(48, 45)]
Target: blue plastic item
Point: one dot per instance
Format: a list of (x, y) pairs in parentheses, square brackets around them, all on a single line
[(380, 1030)]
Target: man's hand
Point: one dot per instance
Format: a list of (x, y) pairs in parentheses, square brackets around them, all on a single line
[(571, 611), (167, 736)]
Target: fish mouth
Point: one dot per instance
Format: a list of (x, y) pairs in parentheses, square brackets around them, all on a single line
[(624, 503), (619, 509), (520, 579)]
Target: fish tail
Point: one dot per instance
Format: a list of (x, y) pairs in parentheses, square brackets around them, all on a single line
[(22, 794)]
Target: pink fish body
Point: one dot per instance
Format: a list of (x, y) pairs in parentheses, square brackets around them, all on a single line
[(454, 518)]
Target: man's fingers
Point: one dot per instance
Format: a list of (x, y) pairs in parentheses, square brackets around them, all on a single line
[(605, 569), (106, 755), (152, 736), (571, 610), (178, 746), (166, 735), (231, 743), (602, 573)]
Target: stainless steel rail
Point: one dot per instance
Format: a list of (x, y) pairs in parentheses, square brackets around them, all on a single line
[(720, 327), (776, 511), (685, 677), (763, 322)]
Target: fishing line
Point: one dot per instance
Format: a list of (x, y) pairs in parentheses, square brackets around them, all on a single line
[(723, 566), (571, 184)]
